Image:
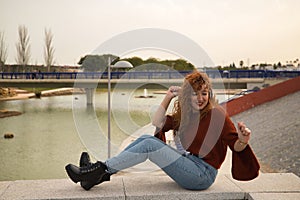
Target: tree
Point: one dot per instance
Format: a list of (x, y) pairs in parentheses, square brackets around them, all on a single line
[(233, 66), (49, 49), (135, 61), (94, 63), (3, 51), (241, 63), (279, 64), (23, 47), (151, 60)]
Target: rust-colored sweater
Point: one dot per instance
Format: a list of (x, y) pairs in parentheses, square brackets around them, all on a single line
[(209, 139)]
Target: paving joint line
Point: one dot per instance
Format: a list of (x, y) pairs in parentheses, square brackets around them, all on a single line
[(124, 189)]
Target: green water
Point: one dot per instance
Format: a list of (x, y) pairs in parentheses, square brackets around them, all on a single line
[(49, 134)]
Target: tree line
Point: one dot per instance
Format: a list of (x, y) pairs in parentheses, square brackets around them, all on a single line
[(23, 49), (95, 63)]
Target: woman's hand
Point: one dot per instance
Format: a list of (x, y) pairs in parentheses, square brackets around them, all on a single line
[(244, 133), (173, 91), (158, 118)]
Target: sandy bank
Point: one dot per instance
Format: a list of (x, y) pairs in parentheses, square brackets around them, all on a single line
[(23, 94)]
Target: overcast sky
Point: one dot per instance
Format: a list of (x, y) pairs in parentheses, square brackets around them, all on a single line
[(254, 31)]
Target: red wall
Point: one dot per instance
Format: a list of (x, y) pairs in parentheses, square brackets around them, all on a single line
[(262, 96)]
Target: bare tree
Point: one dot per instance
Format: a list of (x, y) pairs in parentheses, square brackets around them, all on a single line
[(23, 47), (3, 51), (49, 49)]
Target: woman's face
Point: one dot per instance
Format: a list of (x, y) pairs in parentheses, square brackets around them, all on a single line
[(200, 98)]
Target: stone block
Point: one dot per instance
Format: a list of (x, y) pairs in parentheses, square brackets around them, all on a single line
[(274, 196), (3, 187), (271, 182), (162, 187), (62, 189)]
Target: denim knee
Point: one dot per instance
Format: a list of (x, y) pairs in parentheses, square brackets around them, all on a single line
[(145, 136), (150, 138)]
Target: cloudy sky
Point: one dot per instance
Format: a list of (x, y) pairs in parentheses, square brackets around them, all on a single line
[(254, 31)]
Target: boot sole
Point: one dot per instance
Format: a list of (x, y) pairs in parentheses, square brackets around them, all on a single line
[(87, 185)]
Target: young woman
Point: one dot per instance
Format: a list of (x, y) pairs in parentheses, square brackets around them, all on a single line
[(202, 133)]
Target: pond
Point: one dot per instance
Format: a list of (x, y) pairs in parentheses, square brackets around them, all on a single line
[(53, 131)]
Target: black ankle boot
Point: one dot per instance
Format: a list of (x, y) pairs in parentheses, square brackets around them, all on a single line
[(91, 173), (85, 162)]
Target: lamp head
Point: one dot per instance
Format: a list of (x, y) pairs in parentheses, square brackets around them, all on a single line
[(122, 64)]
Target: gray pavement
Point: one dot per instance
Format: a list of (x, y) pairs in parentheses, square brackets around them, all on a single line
[(155, 186)]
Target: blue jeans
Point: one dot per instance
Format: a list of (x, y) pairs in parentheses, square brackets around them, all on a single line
[(189, 171)]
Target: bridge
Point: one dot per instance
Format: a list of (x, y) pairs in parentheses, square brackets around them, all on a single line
[(149, 74), (233, 79)]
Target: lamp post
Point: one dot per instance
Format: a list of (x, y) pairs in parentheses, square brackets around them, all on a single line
[(119, 64)]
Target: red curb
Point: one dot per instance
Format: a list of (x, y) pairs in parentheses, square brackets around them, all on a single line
[(271, 93)]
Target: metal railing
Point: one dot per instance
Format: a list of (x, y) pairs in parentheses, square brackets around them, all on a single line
[(149, 74)]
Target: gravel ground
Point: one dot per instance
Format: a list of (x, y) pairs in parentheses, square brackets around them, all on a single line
[(275, 136)]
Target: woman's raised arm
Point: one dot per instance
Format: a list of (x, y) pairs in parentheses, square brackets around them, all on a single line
[(158, 119)]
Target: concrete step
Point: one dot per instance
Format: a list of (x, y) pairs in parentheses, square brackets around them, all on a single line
[(155, 186)]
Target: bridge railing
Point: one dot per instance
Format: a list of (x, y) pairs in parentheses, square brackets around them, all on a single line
[(149, 74)]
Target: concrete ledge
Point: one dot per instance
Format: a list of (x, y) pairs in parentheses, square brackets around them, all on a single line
[(274, 196), (271, 186), (162, 187), (271, 182), (155, 186)]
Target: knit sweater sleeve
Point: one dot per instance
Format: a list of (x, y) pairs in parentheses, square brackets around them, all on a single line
[(160, 132), (229, 133)]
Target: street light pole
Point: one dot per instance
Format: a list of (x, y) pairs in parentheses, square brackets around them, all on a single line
[(229, 84), (109, 107), (119, 64), (227, 72)]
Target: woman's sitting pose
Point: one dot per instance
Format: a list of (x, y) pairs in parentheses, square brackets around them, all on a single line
[(202, 132)]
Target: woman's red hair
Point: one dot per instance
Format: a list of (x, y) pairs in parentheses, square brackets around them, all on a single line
[(193, 82)]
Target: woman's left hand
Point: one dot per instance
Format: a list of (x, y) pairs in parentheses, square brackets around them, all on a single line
[(244, 133)]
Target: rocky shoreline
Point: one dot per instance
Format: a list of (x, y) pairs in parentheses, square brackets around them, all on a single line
[(62, 91), (7, 94)]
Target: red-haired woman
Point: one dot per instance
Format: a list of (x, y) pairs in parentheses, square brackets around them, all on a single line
[(202, 132)]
